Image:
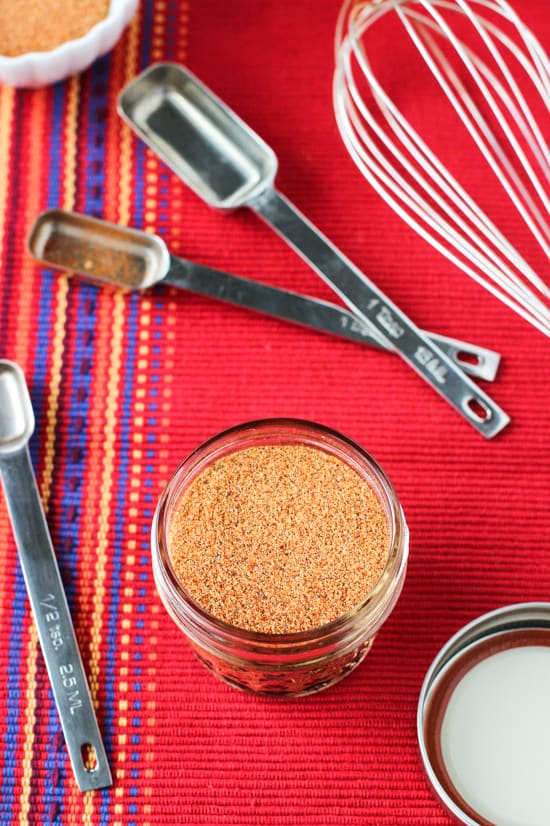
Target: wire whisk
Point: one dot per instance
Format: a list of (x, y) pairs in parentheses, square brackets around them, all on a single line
[(495, 76)]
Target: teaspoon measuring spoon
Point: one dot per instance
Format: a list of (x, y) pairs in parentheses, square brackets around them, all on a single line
[(44, 584), (228, 165), (128, 258)]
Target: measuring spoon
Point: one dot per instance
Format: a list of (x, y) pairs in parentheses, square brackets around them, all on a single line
[(44, 585), (129, 258), (228, 165)]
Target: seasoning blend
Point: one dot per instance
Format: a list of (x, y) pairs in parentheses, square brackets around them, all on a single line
[(44, 41), (46, 24), (279, 548), (484, 719)]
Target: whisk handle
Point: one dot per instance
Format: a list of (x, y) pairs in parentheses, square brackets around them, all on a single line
[(386, 321)]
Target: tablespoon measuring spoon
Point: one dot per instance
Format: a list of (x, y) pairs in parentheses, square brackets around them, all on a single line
[(128, 258), (44, 584), (228, 165)]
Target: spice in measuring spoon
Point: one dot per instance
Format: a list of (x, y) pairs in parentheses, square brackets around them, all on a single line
[(278, 539), (130, 259), (121, 262)]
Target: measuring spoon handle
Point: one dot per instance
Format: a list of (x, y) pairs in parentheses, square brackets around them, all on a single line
[(53, 622), (263, 298), (309, 312), (385, 318)]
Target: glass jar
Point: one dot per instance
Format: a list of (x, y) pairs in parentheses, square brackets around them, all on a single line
[(291, 664)]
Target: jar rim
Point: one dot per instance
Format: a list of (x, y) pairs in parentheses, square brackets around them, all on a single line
[(291, 430)]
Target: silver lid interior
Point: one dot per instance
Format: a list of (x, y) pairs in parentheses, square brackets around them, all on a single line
[(484, 719)]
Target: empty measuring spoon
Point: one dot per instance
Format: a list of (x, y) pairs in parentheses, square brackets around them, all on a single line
[(128, 258), (44, 585), (228, 165)]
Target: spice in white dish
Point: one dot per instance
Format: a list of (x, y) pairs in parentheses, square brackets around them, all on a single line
[(42, 25)]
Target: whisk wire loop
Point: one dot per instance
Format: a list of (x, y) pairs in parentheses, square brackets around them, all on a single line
[(483, 136), (428, 161), (490, 148), (413, 180), (379, 179)]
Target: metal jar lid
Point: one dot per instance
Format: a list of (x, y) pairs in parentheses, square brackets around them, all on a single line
[(484, 719)]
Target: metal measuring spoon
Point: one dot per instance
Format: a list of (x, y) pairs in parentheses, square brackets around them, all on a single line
[(44, 585), (129, 258), (228, 165)]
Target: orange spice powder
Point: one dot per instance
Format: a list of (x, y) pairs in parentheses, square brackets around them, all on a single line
[(278, 538), (117, 266), (42, 25)]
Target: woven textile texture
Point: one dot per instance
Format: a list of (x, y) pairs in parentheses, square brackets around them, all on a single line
[(125, 385)]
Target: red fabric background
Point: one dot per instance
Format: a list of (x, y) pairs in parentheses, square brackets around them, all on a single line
[(477, 510)]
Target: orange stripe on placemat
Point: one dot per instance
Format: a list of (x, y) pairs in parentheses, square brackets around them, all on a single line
[(97, 518), (25, 311), (7, 98), (56, 361), (151, 221), (23, 343), (70, 137), (144, 355), (62, 284), (144, 336), (108, 374), (27, 273), (119, 157), (28, 725), (121, 211), (130, 564), (45, 487), (183, 32)]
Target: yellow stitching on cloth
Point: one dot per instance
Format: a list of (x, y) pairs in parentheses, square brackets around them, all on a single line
[(125, 182), (127, 146), (127, 140), (58, 343), (28, 271), (102, 541), (7, 97)]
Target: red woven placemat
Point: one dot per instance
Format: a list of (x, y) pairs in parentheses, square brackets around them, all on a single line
[(124, 386)]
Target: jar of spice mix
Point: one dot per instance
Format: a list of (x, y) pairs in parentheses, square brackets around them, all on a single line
[(279, 549)]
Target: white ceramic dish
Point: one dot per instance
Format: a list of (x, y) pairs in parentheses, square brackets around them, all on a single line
[(42, 68)]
